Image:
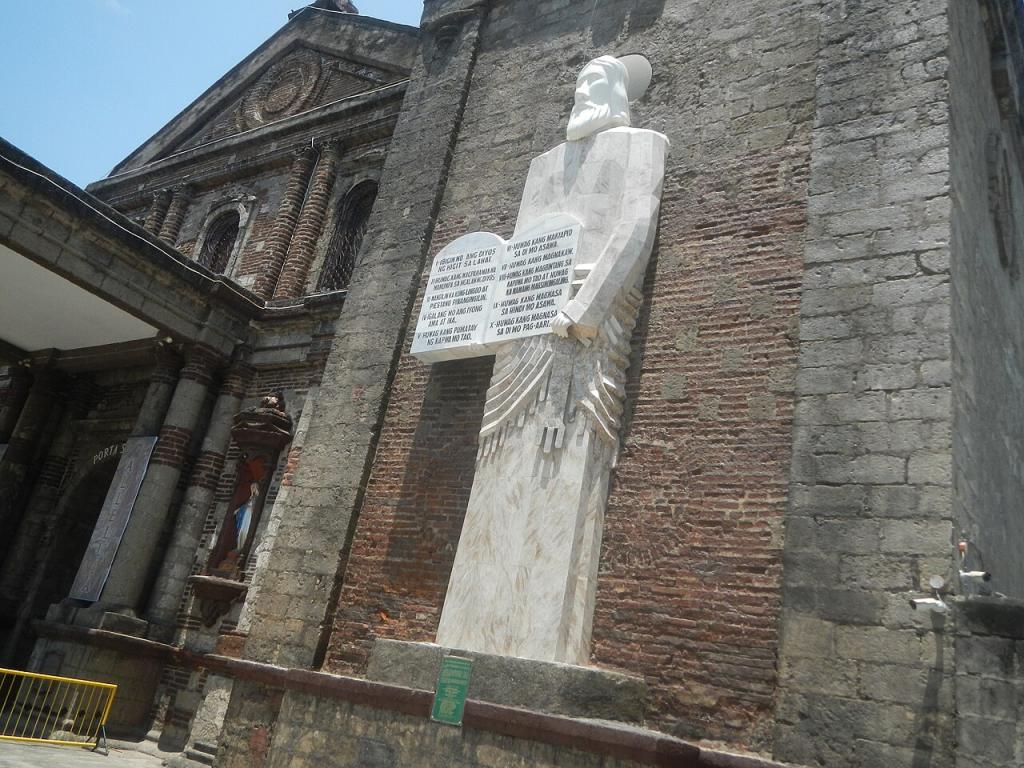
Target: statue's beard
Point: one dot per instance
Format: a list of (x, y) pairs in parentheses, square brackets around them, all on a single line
[(587, 119)]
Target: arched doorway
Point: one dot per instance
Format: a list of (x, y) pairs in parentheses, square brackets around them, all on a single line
[(60, 552)]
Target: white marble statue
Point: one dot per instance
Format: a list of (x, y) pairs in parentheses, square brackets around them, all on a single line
[(524, 576)]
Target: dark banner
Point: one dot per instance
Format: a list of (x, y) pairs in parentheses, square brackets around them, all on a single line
[(113, 519)]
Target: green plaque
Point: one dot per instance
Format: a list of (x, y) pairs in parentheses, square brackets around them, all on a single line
[(452, 687)]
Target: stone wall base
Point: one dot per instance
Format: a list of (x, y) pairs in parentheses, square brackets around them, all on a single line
[(540, 686)]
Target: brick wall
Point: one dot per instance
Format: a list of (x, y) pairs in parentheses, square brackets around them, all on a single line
[(688, 593), (259, 194)]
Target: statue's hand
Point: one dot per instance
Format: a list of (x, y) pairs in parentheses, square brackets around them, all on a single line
[(561, 325)]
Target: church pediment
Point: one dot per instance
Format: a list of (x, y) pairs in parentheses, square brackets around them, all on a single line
[(318, 58), (300, 80)]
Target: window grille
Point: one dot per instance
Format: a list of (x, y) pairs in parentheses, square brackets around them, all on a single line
[(354, 215), (219, 242)]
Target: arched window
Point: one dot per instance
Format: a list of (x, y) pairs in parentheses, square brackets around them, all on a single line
[(219, 241), (353, 217)]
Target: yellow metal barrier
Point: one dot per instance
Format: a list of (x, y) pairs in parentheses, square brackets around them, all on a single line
[(53, 710)]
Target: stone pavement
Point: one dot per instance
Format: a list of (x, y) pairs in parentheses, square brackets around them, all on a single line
[(42, 756)]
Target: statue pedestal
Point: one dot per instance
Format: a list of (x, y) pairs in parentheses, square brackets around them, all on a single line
[(98, 616), (539, 686)]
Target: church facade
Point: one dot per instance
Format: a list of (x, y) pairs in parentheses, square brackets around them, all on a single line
[(230, 488)]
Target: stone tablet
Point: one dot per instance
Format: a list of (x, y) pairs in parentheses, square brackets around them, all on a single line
[(535, 280), (113, 520), (484, 291), (457, 301)]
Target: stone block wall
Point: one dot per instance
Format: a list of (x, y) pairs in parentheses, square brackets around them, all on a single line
[(286, 620), (990, 684), (864, 681), (987, 258), (689, 585), (136, 679), (312, 731), (287, 355)]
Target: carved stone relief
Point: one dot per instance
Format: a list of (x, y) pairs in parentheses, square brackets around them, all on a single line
[(301, 80), (283, 90)]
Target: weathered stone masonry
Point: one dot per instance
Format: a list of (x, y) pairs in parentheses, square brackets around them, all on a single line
[(680, 548), (862, 678), (348, 408), (175, 185), (822, 399)]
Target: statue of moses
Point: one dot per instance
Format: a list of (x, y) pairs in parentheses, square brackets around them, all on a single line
[(523, 582)]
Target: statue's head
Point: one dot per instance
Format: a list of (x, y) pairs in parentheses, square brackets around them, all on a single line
[(273, 400), (602, 99)]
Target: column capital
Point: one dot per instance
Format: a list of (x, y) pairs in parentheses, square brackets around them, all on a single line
[(166, 362), (305, 153), (238, 372), (201, 363), (331, 147)]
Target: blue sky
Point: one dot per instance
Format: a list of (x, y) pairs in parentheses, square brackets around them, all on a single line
[(84, 82)]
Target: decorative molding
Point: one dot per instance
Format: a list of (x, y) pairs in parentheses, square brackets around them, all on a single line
[(247, 151), (285, 89)]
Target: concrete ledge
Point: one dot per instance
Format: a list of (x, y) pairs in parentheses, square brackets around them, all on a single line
[(607, 739), (104, 638), (541, 686), (992, 616)]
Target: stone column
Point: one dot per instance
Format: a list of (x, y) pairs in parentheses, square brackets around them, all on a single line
[(158, 395), (162, 382), (40, 507), (130, 570), (176, 210), (292, 282), (284, 224), (14, 400), (202, 486), (29, 555), (38, 416), (316, 519), (157, 211)]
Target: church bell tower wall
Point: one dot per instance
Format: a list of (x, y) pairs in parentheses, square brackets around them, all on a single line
[(689, 585)]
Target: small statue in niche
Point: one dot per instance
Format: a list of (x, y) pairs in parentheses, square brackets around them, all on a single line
[(252, 472), (267, 422), (261, 432)]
